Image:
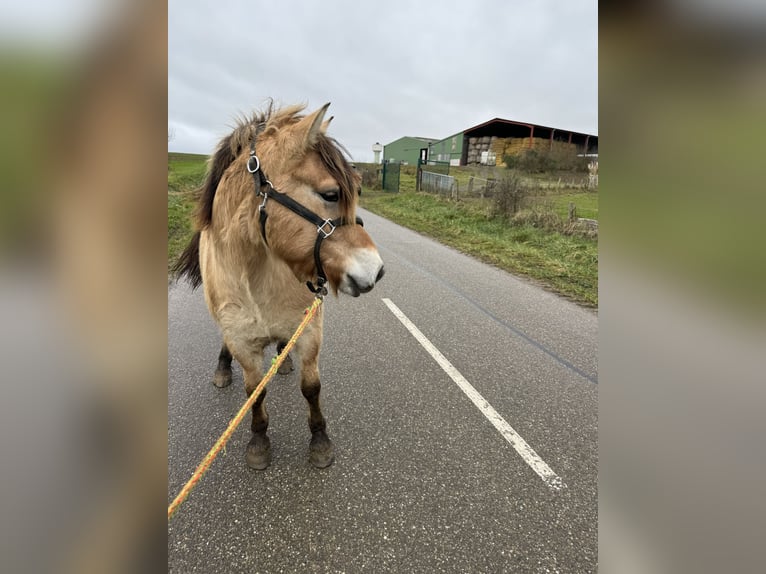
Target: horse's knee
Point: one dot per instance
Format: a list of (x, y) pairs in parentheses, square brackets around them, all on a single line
[(311, 389)]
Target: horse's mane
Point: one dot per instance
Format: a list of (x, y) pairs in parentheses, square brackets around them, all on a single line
[(333, 155)]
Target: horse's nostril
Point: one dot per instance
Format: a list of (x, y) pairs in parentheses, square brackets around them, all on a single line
[(380, 274), (359, 288)]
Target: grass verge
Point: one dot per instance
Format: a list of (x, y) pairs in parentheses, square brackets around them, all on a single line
[(186, 172), (180, 207), (566, 264)]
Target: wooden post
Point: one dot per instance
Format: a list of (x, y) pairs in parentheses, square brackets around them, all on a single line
[(572, 212)]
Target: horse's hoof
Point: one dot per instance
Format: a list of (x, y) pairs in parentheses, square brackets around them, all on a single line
[(287, 366), (222, 379), (321, 451), (258, 454)]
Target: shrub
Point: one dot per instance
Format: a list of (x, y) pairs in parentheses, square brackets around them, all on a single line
[(370, 176), (536, 161), (508, 196)]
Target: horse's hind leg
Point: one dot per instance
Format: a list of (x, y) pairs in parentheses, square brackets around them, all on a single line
[(287, 365), (222, 377), (321, 450)]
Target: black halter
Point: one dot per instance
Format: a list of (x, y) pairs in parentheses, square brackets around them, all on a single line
[(325, 227)]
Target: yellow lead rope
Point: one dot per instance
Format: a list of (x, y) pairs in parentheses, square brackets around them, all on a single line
[(310, 313)]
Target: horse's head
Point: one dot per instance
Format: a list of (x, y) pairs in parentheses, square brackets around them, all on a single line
[(305, 165)]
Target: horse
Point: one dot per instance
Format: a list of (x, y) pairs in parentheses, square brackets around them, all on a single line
[(275, 226)]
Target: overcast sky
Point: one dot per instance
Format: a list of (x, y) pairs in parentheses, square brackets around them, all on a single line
[(415, 68)]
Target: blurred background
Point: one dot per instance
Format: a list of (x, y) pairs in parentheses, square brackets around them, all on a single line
[(681, 284), (83, 286)]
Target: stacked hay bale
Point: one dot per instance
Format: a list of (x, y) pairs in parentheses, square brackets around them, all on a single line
[(497, 147), (516, 146), (501, 147), (478, 145)]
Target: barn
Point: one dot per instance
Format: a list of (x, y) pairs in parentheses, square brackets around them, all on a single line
[(450, 149), (405, 150), (488, 142)]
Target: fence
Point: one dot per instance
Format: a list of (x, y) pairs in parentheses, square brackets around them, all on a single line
[(391, 177), (441, 167), (438, 183), (449, 186), (480, 187)]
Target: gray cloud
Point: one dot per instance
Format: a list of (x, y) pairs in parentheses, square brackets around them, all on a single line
[(393, 69)]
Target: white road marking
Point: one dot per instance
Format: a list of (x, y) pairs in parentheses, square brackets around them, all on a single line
[(514, 439)]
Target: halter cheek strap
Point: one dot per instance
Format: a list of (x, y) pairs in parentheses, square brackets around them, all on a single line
[(325, 227)]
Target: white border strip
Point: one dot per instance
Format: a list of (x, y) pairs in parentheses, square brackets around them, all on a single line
[(514, 439)]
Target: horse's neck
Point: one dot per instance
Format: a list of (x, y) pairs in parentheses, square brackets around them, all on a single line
[(241, 250)]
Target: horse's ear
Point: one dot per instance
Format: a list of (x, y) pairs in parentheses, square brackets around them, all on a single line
[(308, 129), (326, 124)]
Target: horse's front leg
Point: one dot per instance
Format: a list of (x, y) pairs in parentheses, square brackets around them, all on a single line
[(321, 451), (250, 356)]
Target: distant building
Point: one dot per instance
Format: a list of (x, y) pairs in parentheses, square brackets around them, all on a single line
[(450, 149), (487, 143), (405, 150)]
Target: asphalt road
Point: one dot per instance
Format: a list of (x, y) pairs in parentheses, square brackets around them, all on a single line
[(423, 481)]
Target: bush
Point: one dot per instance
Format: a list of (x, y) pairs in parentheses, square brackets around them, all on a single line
[(509, 194), (371, 178), (536, 161)]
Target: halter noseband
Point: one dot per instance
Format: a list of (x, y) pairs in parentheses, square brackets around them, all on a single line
[(325, 227)]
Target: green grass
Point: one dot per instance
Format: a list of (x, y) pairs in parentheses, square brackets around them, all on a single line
[(186, 173), (566, 264), (586, 203)]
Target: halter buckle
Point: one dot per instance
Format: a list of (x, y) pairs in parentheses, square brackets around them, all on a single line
[(263, 203), (251, 163), (321, 228), (320, 289)]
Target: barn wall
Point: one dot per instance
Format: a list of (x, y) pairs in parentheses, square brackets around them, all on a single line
[(449, 149), (406, 149)]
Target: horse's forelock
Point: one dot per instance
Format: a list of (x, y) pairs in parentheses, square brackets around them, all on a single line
[(334, 158)]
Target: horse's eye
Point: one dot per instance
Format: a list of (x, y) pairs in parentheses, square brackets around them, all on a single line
[(331, 196)]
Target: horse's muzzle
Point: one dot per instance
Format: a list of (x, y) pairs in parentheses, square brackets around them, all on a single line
[(365, 269)]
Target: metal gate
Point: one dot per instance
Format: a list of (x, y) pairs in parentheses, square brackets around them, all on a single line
[(437, 183), (391, 177), (439, 167)]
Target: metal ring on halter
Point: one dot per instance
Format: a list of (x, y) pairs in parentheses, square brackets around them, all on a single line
[(257, 164), (320, 228), (263, 203)]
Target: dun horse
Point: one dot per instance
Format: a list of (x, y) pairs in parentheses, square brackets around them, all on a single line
[(277, 213)]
